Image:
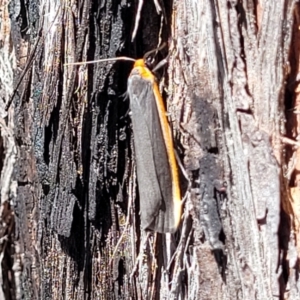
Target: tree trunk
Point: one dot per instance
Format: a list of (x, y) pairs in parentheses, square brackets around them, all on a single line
[(70, 207)]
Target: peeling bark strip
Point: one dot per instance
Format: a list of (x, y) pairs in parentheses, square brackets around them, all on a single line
[(231, 57), (76, 192)]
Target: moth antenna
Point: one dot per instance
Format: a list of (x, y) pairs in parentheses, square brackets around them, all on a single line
[(154, 50), (100, 60)]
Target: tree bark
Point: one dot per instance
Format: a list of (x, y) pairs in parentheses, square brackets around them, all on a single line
[(70, 210)]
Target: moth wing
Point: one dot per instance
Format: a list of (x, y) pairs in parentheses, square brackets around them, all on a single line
[(153, 169)]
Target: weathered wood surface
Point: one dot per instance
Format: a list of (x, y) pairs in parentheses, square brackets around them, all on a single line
[(231, 92)]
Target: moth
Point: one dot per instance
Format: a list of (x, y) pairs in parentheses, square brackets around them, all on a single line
[(157, 171)]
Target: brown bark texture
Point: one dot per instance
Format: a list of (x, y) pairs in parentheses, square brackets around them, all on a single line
[(70, 212)]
